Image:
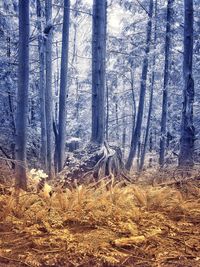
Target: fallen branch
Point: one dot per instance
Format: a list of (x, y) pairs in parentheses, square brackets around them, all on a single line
[(7, 159), (179, 182), (10, 259)]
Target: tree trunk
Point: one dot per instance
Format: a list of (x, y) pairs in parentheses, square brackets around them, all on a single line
[(11, 106), (124, 137), (107, 109), (75, 26), (49, 98), (124, 126), (22, 94), (117, 120), (166, 83), (143, 153), (150, 148), (97, 160), (187, 127), (57, 85), (77, 133), (137, 131), (41, 50), (138, 155), (133, 98), (98, 70), (63, 86)]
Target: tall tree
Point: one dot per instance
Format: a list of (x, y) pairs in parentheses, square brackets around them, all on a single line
[(49, 99), (187, 127), (136, 132), (63, 85), (143, 153), (98, 70), (166, 83), (22, 94), (41, 51)]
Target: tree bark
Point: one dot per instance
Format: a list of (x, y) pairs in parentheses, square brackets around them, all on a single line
[(133, 98), (117, 120), (124, 126), (22, 94), (41, 50), (150, 148), (137, 131), (187, 128), (11, 106), (143, 153), (98, 71), (75, 26), (166, 83), (63, 86), (107, 110), (49, 99)]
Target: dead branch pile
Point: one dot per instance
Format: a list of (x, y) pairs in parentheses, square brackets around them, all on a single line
[(97, 226)]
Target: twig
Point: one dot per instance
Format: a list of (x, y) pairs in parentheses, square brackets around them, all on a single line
[(18, 162), (7, 157), (177, 182), (142, 7), (47, 251), (72, 9), (10, 259)]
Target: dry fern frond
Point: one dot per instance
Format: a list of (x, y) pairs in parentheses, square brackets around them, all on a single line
[(100, 225)]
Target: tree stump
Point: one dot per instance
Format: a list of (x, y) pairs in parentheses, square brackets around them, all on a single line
[(93, 163)]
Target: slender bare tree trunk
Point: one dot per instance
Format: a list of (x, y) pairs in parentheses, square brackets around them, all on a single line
[(124, 126), (143, 152), (137, 131), (98, 70), (63, 86), (56, 109), (150, 148), (75, 26), (10, 105), (77, 134), (166, 83), (117, 120), (41, 50), (187, 127), (124, 136), (49, 98), (57, 85), (22, 94), (107, 109), (133, 98)]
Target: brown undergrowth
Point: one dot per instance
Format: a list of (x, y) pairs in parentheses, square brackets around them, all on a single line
[(104, 225)]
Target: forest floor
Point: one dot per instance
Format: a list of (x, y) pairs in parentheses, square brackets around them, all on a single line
[(104, 225)]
